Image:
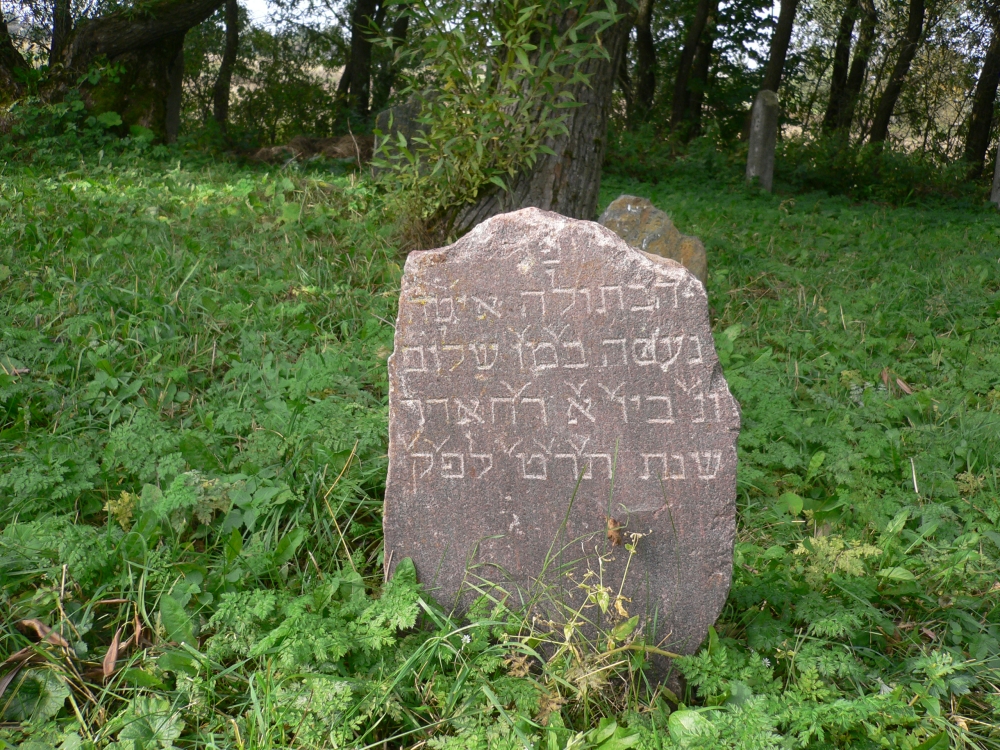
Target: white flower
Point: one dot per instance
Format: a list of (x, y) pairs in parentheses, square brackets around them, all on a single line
[(766, 662), (466, 638)]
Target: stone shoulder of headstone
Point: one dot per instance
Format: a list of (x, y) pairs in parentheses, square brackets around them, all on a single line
[(555, 399), (645, 227)]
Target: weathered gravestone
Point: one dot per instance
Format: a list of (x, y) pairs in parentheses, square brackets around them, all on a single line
[(549, 385), (763, 137), (645, 227)]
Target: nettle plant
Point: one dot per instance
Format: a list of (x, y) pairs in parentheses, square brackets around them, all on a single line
[(501, 73)]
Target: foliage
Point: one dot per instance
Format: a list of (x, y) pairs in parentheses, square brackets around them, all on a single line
[(192, 461), (492, 81), (283, 83)]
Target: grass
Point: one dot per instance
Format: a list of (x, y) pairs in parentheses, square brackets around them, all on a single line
[(192, 459)]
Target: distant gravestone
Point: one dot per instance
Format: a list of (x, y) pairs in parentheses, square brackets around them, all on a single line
[(645, 227), (552, 392), (763, 137)]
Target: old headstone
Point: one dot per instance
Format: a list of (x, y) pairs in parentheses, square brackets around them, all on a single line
[(995, 192), (763, 135), (645, 227), (552, 393)]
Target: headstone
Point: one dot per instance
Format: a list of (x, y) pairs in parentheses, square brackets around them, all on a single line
[(995, 192), (645, 227), (552, 393), (763, 135)]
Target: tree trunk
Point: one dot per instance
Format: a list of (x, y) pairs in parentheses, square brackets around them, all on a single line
[(142, 47), (356, 80), (859, 66), (779, 46), (645, 68), (385, 80), (12, 65), (699, 73), (568, 182), (841, 63), (978, 138), (681, 102), (175, 77), (62, 25), (220, 94), (886, 105)]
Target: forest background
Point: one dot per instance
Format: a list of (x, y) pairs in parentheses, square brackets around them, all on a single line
[(193, 379)]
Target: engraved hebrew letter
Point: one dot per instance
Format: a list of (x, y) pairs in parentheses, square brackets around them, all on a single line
[(413, 359), (414, 405), (527, 297), (482, 352), (618, 356), (612, 395), (468, 411), (695, 360), (646, 474), (649, 301), (567, 457), (700, 398), (644, 350), (451, 470), (583, 356), (708, 463), (527, 472), (594, 458), (487, 464), (664, 283), (443, 402), (666, 416), (609, 292)]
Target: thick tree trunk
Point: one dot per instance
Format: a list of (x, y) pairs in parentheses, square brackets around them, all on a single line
[(223, 83), (12, 65), (779, 46), (841, 63), (978, 138), (568, 182), (175, 77), (681, 102), (143, 46), (355, 83), (385, 80), (62, 25), (886, 105), (699, 73), (859, 66), (645, 65)]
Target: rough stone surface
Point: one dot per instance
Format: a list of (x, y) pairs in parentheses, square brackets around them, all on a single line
[(553, 391), (763, 136), (645, 227)]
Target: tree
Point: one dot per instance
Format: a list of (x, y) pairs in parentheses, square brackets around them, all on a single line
[(859, 67), (131, 56), (566, 179), (62, 25), (223, 83), (355, 82), (841, 62), (698, 83), (977, 140), (645, 66), (681, 105), (908, 50), (12, 65), (779, 46)]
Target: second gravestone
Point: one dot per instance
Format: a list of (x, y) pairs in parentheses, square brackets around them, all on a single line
[(553, 395)]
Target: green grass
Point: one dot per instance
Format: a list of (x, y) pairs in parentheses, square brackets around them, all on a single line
[(192, 460)]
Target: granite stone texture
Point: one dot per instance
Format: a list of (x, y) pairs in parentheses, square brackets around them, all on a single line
[(645, 227), (555, 398)]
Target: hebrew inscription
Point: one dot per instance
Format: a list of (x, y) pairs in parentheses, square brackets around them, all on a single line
[(540, 362)]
